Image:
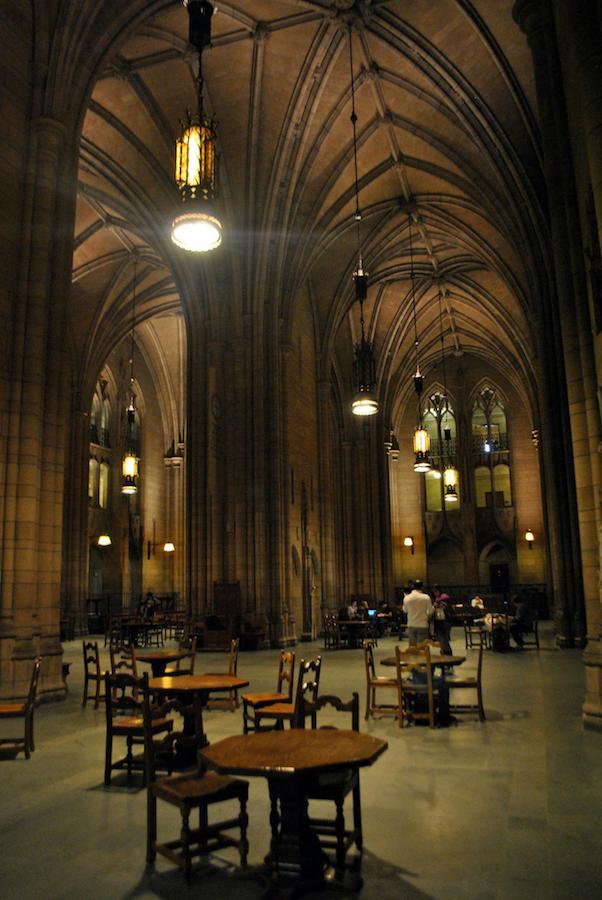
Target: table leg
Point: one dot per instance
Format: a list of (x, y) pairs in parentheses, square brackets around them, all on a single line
[(295, 850)]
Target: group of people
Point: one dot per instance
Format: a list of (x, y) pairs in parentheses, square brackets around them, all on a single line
[(424, 612)]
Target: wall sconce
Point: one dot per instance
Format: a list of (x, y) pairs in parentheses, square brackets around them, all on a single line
[(104, 540), (151, 548), (529, 537), (409, 542)]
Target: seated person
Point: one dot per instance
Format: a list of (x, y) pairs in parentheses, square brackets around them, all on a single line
[(523, 621)]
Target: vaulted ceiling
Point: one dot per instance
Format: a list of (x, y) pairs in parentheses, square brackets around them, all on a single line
[(445, 131)]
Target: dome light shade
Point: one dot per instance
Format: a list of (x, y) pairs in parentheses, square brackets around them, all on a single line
[(168, 547), (104, 540), (364, 404), (197, 232)]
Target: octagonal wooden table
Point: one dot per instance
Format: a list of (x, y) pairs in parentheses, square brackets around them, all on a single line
[(289, 760), (203, 685)]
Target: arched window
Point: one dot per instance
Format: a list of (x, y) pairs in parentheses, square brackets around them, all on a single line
[(93, 481), (482, 486), (501, 481), (95, 414), (489, 428), (432, 486), (105, 417), (103, 486)]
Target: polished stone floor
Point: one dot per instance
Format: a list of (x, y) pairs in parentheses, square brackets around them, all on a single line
[(509, 808)]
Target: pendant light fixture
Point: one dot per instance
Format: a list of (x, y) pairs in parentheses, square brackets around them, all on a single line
[(450, 473), (364, 368), (422, 440), (129, 467), (197, 228)]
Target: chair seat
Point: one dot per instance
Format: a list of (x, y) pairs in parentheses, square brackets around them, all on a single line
[(278, 710), (264, 699), (383, 681), (193, 789), (136, 723), (468, 681), (12, 709)]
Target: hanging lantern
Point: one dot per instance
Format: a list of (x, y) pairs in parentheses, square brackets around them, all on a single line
[(364, 368), (129, 466), (422, 447), (394, 452), (104, 540), (450, 482), (197, 229)]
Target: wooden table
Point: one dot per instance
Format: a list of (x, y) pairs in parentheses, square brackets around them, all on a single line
[(203, 685), (288, 759), (159, 659)]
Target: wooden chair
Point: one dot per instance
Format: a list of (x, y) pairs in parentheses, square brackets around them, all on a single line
[(531, 636), (415, 662), (197, 789), (373, 683), (184, 666), (124, 719), (469, 682), (92, 672), (123, 661), (336, 786), (476, 636), (154, 632), (330, 631), (279, 713), (230, 700), (253, 702), (25, 711)]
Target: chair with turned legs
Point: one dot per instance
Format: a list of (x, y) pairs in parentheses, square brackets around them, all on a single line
[(92, 673), (376, 682), (336, 787), (194, 789), (276, 714), (23, 711), (252, 702)]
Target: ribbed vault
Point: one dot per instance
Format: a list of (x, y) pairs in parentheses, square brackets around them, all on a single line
[(445, 133)]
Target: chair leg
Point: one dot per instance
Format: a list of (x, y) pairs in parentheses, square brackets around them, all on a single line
[(185, 838), (108, 758), (151, 827), (367, 716), (480, 704), (339, 825), (357, 817), (85, 697), (129, 756), (29, 728), (243, 848), (97, 694)]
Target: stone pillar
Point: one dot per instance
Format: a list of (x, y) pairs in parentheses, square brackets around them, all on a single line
[(33, 511), (75, 536), (580, 44), (562, 336)]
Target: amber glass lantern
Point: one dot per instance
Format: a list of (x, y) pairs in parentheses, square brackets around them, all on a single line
[(450, 482), (196, 228), (422, 448)]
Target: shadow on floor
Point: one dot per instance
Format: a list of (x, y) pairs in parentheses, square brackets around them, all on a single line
[(219, 879)]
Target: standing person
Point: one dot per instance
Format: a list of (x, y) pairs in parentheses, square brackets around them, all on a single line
[(442, 620), (419, 609)]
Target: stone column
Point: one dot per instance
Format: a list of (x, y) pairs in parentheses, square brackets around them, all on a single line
[(31, 552), (562, 336), (580, 44)]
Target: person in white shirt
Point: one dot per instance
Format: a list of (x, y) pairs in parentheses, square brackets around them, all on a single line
[(419, 609)]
